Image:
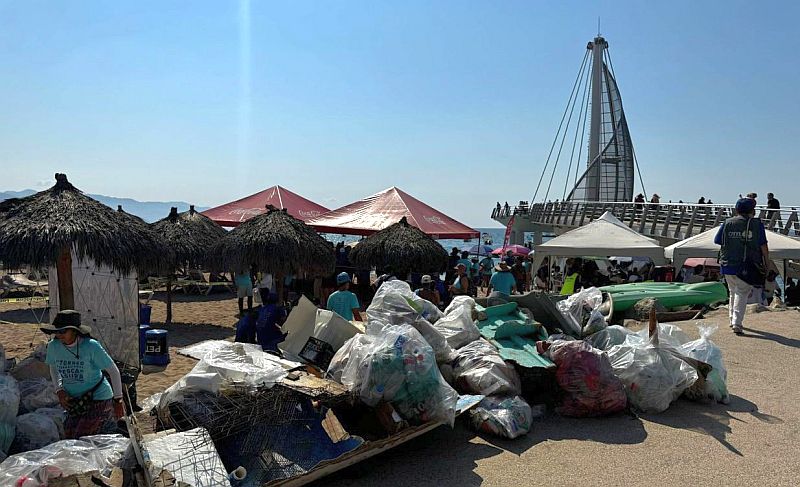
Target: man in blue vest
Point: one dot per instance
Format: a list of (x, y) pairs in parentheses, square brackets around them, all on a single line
[(740, 237)]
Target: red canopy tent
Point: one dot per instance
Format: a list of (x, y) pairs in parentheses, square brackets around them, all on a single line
[(233, 213), (376, 212)]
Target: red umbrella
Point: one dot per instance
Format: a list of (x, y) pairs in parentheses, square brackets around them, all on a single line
[(515, 250), (705, 262)]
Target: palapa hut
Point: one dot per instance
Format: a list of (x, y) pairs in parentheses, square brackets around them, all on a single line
[(46, 228), (402, 246), (278, 243), (191, 236), (92, 254)]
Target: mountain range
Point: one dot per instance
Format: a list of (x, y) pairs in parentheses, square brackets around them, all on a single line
[(149, 211)]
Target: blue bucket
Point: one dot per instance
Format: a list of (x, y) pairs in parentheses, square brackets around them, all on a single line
[(142, 338), (144, 314), (156, 348)]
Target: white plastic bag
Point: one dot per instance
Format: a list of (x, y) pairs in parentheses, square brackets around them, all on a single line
[(9, 399), (668, 334), (35, 431), (37, 393), (457, 325), (507, 417), (344, 364), (608, 337), (479, 369), (575, 307), (66, 457), (9, 406), (396, 304), (459, 301), (399, 367), (652, 375), (58, 415), (706, 351), (222, 367)]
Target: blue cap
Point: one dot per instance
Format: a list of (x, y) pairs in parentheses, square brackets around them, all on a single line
[(342, 278), (745, 205)]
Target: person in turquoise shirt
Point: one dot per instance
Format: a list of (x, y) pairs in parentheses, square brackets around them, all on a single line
[(77, 363), (467, 264), (344, 302), (486, 265), (503, 280)]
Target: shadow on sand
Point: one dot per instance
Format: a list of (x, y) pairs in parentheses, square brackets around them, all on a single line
[(185, 334), (620, 429), (181, 297), (765, 335), (710, 419), (26, 314), (443, 456)]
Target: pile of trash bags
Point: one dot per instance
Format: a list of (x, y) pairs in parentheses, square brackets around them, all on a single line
[(418, 360), (30, 414), (653, 370)]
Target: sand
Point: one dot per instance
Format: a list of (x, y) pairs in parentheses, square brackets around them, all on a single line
[(752, 440)]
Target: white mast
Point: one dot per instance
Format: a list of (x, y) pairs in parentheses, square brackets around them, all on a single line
[(593, 179)]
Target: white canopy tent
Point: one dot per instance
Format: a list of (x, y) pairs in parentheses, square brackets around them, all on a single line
[(602, 237), (781, 248)]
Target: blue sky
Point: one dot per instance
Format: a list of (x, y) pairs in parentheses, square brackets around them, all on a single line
[(456, 102)]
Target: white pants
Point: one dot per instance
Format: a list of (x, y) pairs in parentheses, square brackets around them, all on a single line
[(739, 290)]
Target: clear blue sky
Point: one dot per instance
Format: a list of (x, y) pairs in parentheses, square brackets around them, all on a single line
[(456, 102)]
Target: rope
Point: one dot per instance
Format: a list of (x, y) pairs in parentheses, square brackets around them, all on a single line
[(579, 127), (563, 138), (547, 162), (583, 134)]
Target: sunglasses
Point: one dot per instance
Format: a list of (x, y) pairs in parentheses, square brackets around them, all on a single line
[(60, 332)]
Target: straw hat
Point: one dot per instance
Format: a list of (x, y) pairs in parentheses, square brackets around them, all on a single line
[(502, 267)]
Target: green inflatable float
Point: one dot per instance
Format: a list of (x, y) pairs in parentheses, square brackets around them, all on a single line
[(669, 294)]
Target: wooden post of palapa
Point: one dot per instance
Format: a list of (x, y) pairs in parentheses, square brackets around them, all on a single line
[(169, 300), (66, 294)]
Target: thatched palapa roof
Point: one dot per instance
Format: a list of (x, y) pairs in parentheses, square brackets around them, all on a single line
[(278, 243), (402, 246), (190, 235), (34, 230)]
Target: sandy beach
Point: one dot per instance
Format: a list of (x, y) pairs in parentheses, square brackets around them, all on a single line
[(752, 440)]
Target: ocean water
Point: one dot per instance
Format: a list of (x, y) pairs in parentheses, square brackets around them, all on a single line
[(496, 233)]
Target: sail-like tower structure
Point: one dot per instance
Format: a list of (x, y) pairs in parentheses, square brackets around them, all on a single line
[(609, 175), (594, 112)]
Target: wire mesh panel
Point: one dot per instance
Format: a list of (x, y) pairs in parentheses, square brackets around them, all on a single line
[(273, 433)]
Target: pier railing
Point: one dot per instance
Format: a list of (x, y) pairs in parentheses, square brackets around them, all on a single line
[(675, 221)]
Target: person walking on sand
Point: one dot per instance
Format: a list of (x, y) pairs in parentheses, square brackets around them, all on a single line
[(344, 302), (741, 238)]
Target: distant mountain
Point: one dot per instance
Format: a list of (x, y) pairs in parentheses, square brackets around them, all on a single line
[(149, 211)]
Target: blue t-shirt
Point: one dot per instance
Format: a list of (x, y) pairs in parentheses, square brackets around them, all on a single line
[(732, 270), (503, 282), (81, 367), (343, 302), (488, 265)]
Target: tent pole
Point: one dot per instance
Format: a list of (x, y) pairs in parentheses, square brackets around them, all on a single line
[(66, 293)]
